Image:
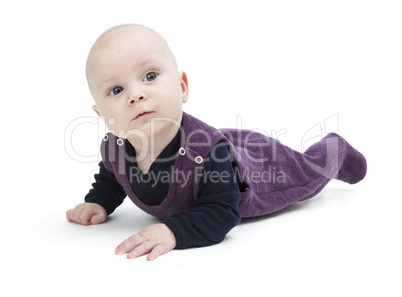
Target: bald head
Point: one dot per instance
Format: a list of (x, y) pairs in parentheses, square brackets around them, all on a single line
[(137, 35)]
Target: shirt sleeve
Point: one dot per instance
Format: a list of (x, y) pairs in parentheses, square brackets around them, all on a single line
[(106, 191), (215, 211)]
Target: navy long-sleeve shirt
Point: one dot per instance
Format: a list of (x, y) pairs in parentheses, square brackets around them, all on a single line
[(215, 211)]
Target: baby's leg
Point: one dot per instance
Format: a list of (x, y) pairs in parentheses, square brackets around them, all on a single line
[(304, 175)]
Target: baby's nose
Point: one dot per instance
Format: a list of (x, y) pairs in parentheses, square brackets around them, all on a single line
[(137, 98)]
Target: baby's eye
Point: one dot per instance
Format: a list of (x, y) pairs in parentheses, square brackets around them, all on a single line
[(150, 76), (116, 90)]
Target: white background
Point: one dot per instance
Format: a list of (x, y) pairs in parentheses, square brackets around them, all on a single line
[(281, 65)]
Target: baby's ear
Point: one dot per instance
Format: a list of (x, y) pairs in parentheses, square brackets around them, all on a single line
[(95, 108), (184, 85)]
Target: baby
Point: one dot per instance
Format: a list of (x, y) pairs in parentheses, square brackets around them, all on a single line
[(199, 180)]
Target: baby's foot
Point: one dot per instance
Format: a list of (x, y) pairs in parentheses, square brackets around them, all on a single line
[(354, 165)]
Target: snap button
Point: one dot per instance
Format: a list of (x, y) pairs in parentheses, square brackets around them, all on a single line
[(120, 142), (182, 151), (198, 159), (106, 137)]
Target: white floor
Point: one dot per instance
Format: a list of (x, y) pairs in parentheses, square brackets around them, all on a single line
[(293, 65), (345, 241)]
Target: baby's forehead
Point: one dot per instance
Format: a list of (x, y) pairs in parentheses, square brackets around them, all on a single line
[(128, 43), (134, 39), (134, 36)]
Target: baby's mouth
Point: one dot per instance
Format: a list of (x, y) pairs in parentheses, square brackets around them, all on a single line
[(142, 114)]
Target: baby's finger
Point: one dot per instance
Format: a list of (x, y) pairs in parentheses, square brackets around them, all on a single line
[(97, 219), (82, 217), (72, 215), (156, 252), (68, 215), (129, 244), (140, 250)]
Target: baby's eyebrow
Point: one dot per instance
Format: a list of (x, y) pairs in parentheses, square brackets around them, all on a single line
[(147, 62), (106, 81), (141, 64)]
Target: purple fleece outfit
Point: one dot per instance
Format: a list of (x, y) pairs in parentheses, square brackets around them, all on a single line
[(272, 175)]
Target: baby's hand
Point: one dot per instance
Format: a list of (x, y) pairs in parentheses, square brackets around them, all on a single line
[(87, 214), (156, 240)]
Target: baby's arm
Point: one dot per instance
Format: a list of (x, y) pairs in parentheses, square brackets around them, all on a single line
[(214, 214), (87, 214), (207, 223), (105, 196)]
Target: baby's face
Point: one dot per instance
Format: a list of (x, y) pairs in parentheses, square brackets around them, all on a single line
[(133, 78)]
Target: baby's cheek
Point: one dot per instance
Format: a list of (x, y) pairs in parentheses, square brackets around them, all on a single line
[(111, 122), (111, 119)]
